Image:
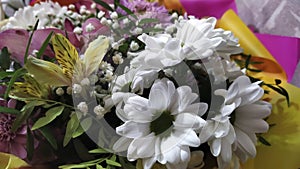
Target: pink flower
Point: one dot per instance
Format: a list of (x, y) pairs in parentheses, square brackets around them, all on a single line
[(12, 142)]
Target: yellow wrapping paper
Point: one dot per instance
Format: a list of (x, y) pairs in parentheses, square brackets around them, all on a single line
[(8, 161), (284, 152)]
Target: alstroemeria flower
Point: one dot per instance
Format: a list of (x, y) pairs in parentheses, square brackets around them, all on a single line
[(161, 128), (72, 68)]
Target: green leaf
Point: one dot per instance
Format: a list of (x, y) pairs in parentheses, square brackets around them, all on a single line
[(51, 115), (72, 126), (147, 21), (152, 30), (44, 46), (128, 11), (9, 110), (81, 150), (104, 5), (98, 151), (112, 161), (99, 166), (84, 126), (18, 73), (5, 59), (29, 41), (29, 144), (5, 74), (46, 132), (25, 114)]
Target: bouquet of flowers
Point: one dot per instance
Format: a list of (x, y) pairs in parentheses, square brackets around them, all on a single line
[(128, 84)]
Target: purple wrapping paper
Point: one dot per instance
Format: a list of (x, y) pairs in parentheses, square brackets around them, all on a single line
[(284, 49), (204, 8)]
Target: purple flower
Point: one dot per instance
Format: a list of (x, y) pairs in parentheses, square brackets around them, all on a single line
[(11, 142), (144, 9)]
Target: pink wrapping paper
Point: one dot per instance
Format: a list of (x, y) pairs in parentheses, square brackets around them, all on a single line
[(284, 49), (203, 8)]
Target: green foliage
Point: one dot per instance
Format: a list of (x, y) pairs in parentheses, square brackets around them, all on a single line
[(29, 41), (9, 110), (72, 126), (17, 74), (29, 144), (4, 59), (104, 5), (147, 21), (50, 115), (25, 114), (46, 132), (44, 46)]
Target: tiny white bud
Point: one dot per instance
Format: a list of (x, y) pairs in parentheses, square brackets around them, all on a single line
[(108, 76), (134, 46), (180, 18), (100, 14), (126, 21), (114, 15), (138, 30), (77, 30), (99, 111), (103, 21), (82, 10), (59, 91), (93, 79), (170, 29), (109, 22), (90, 27), (174, 15), (112, 6), (83, 107), (69, 13), (69, 90), (85, 82), (115, 45), (117, 59), (158, 26), (93, 5), (115, 25), (77, 88), (71, 6)]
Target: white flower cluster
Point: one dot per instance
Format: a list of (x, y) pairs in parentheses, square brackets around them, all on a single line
[(162, 127), (49, 14)]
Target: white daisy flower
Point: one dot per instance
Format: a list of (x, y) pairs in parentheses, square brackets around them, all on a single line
[(161, 128), (205, 40), (241, 117)]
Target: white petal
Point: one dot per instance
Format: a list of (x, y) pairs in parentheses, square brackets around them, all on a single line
[(142, 147), (187, 120), (215, 147), (132, 129), (245, 143), (122, 144), (148, 162)]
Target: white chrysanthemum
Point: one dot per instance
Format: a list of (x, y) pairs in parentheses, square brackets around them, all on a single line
[(161, 128), (241, 117), (48, 14), (204, 39)]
